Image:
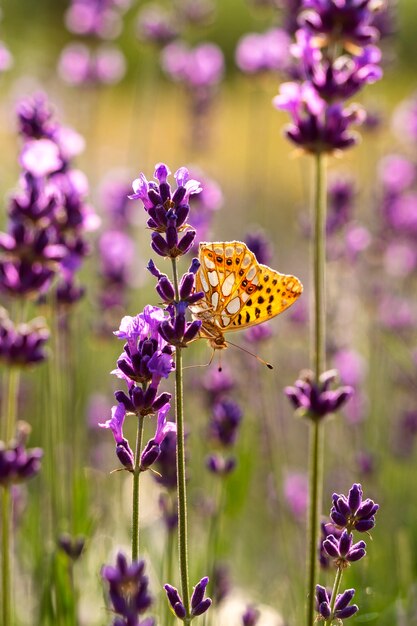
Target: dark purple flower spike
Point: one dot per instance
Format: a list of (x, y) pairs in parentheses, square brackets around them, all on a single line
[(128, 588), (18, 463), (167, 211), (343, 550), (72, 546), (342, 608), (314, 400), (352, 512), (199, 604)]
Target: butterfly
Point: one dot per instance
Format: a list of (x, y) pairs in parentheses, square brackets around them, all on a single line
[(238, 291)]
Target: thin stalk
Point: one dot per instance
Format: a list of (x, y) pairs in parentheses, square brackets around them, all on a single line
[(11, 403), (6, 610), (181, 483), (168, 569), (214, 530), (319, 252), (6, 500), (335, 591), (319, 363), (135, 494)]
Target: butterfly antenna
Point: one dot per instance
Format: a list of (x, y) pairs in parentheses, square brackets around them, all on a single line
[(258, 358), (188, 367)]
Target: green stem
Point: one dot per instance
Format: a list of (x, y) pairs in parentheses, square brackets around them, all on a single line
[(319, 363), (6, 548), (214, 530), (335, 591), (320, 210), (12, 390), (181, 483), (135, 494), (11, 411), (168, 568)]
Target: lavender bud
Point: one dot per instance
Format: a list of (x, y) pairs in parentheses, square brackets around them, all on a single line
[(175, 601), (149, 455), (125, 455)]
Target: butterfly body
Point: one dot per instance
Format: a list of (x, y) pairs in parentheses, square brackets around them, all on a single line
[(238, 291)]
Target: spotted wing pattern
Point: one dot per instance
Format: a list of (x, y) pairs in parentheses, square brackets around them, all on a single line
[(240, 292)]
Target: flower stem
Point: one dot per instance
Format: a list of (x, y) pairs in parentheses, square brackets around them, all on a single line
[(135, 494), (5, 549), (12, 392), (319, 362), (167, 617), (181, 483), (335, 591)]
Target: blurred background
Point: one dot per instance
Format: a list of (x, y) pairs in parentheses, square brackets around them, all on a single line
[(113, 81)]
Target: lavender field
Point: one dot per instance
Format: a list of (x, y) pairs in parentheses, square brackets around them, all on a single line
[(172, 172)]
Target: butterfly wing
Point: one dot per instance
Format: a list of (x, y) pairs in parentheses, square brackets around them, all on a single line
[(239, 292), (274, 293)]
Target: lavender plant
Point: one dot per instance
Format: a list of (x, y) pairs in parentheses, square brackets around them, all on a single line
[(336, 59), (348, 513), (153, 338)]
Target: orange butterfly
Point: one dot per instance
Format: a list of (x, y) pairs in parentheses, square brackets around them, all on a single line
[(238, 291)]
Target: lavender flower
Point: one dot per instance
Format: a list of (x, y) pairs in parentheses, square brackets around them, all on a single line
[(168, 212), (352, 512), (147, 358), (199, 68), (78, 65), (263, 52), (250, 616), (405, 119), (343, 550), (216, 384), (115, 424), (23, 344), (199, 604), (35, 117), (320, 120), (152, 450), (72, 546), (117, 254), (341, 194), (168, 507), (341, 21), (49, 213), (316, 126), (315, 400), (166, 464), (327, 529), (342, 608), (97, 18), (177, 331), (156, 25), (260, 245), (224, 423), (220, 465), (128, 588), (18, 463)]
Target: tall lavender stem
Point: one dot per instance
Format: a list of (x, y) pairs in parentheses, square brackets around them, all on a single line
[(11, 403), (319, 360), (5, 549), (12, 389), (181, 484), (135, 494), (335, 591)]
